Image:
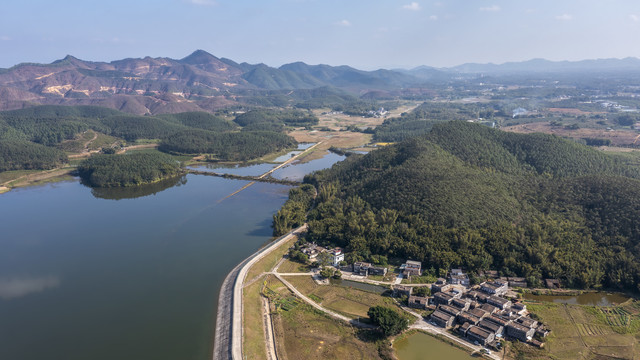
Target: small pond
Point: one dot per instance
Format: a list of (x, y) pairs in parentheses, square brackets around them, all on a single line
[(420, 346), (588, 298), (358, 285)]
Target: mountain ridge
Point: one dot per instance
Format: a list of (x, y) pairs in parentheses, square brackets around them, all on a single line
[(201, 81)]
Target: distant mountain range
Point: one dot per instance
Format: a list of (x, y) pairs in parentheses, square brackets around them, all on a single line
[(203, 82)]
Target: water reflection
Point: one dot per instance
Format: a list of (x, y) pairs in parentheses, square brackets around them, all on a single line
[(16, 287), (132, 192), (297, 170), (236, 169)]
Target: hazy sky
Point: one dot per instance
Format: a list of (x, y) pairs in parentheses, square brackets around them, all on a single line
[(366, 34)]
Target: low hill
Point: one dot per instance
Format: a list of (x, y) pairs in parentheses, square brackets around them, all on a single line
[(467, 195)]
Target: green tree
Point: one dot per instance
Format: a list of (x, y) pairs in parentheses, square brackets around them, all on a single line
[(390, 322), (421, 291), (324, 258), (326, 273)]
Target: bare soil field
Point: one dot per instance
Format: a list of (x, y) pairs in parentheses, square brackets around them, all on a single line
[(617, 137), (572, 111)]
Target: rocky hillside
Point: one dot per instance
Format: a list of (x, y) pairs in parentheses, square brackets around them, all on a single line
[(197, 82)]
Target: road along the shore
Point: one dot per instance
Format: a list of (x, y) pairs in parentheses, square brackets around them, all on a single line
[(228, 338)]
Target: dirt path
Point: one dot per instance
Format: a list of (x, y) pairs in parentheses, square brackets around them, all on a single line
[(35, 177), (268, 329), (86, 144)]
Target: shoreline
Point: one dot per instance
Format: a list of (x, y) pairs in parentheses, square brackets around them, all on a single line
[(227, 342)]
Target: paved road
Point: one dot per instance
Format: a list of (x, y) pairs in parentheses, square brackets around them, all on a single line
[(222, 340), (228, 339)]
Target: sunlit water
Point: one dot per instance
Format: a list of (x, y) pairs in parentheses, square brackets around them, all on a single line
[(126, 273)]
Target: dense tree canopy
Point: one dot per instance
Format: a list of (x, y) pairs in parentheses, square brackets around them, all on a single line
[(190, 133), (289, 117), (242, 145), (18, 155), (127, 170), (466, 195), (390, 322)]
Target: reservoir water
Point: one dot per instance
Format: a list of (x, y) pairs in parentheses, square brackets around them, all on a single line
[(127, 273)]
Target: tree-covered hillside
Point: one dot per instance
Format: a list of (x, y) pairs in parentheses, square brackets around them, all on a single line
[(127, 170), (467, 195), (32, 138)]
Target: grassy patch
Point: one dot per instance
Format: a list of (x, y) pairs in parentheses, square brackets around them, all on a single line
[(289, 266), (350, 302), (268, 262), (425, 279), (7, 176), (103, 140), (254, 338)]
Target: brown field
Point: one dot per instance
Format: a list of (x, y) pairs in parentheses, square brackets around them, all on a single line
[(572, 111), (617, 137), (342, 139), (304, 333)]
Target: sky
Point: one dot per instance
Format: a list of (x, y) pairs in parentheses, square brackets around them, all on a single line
[(366, 34)]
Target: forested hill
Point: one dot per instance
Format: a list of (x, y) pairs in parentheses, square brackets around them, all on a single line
[(34, 138), (467, 195)]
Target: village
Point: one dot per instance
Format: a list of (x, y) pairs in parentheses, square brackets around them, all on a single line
[(482, 314)]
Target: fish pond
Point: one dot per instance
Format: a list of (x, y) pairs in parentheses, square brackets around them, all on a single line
[(420, 346)]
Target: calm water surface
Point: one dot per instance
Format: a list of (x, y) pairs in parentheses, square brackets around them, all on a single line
[(125, 274), (420, 346), (296, 170), (359, 285), (588, 298), (239, 169)]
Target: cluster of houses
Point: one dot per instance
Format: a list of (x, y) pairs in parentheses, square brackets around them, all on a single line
[(313, 250), (482, 314)]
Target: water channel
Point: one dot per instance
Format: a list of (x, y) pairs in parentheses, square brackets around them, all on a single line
[(420, 346), (124, 273)]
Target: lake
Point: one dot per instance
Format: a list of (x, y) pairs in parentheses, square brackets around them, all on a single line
[(123, 273), (420, 346), (587, 298)]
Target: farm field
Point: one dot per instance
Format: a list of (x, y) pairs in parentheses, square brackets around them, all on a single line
[(618, 137), (586, 332)]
